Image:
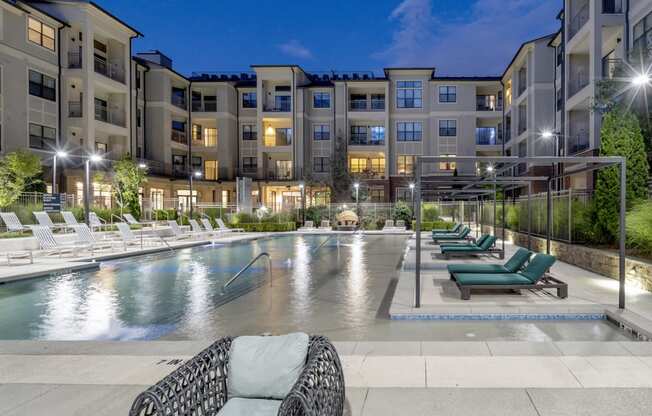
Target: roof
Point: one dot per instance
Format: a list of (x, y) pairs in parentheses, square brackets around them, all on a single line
[(471, 79), (523, 45), (150, 64), (95, 5), (33, 6)]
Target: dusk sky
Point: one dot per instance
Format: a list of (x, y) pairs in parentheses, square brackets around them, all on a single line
[(458, 37)]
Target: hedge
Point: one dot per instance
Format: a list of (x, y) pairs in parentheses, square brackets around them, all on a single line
[(267, 226), (429, 226)]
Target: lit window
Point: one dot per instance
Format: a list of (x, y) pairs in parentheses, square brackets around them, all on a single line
[(40, 33), (447, 165), (357, 165), (405, 164), (210, 137), (211, 170)]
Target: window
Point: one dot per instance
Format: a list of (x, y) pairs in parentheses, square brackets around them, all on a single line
[(321, 100), (101, 148), (522, 119), (409, 94), (522, 80), (404, 194), (249, 164), (447, 94), (321, 164), (283, 136), (447, 165), (377, 101), (357, 165), (156, 198), (179, 97), (42, 137), (612, 6), (179, 132), (210, 170), (322, 132), (643, 36), (249, 100), (408, 131), (137, 79), (210, 137), (101, 110), (40, 33), (376, 194), (179, 164), (42, 86), (405, 164), (358, 134), (249, 132), (447, 128), (485, 136), (283, 103), (377, 164), (196, 132), (178, 125), (377, 135)]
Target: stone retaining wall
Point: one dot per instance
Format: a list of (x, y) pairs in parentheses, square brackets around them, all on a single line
[(603, 262)]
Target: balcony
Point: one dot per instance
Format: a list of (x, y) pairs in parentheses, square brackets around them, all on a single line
[(113, 70), (75, 109), (283, 107), (576, 84), (610, 67), (578, 21), (486, 136), (361, 139), (178, 101), (375, 104), (179, 137), (74, 60), (612, 6), (279, 174), (205, 106), (486, 103), (578, 143), (114, 117)]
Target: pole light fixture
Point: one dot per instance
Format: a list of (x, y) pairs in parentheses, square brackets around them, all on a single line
[(59, 154)]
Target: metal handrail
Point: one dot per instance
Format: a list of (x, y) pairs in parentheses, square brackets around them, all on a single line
[(324, 243), (237, 275)]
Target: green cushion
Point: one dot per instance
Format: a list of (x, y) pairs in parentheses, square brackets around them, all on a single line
[(487, 243), (477, 268), (491, 279), (460, 236), (538, 266), (461, 249), (455, 229), (517, 261), (250, 407)]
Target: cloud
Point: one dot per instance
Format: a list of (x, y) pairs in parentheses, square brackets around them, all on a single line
[(482, 42), (294, 48)]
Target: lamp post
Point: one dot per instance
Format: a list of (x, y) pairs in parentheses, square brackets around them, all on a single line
[(196, 174), (87, 184), (412, 198), (60, 154), (549, 134), (356, 186), (302, 188)]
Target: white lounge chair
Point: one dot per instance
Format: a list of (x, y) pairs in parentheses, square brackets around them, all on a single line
[(400, 225), (95, 221), (12, 222), (133, 221), (226, 229), (196, 228), (69, 218), (49, 245), (44, 219), (85, 236), (178, 233), (128, 238), (209, 226), (307, 226)]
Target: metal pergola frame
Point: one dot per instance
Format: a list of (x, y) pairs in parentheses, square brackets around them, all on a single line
[(476, 186)]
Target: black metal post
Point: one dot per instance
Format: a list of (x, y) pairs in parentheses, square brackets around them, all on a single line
[(503, 231), (417, 274), (190, 200), (529, 216), (548, 216), (495, 211), (87, 191), (622, 225)]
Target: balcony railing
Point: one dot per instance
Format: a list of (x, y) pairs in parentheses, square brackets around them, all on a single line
[(206, 106), (578, 21), (610, 66), (576, 84), (612, 6), (375, 104), (578, 143), (178, 101), (369, 174), (74, 109), (113, 70), (278, 108), (486, 103), (279, 174), (486, 136), (109, 116), (360, 139), (522, 126), (179, 137), (74, 60)]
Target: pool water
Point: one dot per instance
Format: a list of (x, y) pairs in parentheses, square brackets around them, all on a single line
[(337, 286)]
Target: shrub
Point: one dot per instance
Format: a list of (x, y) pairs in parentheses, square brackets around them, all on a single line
[(402, 211), (268, 226), (429, 213), (108, 214), (242, 218), (512, 219), (429, 226), (316, 214), (639, 228), (164, 214)]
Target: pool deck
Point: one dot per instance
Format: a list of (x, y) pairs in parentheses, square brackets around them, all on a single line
[(591, 296), (382, 378)]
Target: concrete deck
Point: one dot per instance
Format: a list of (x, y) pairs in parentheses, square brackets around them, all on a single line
[(382, 378), (591, 296)]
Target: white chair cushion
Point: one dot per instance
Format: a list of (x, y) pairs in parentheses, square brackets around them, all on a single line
[(250, 407), (266, 367)]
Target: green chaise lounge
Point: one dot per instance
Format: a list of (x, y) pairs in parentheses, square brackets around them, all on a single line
[(513, 265), (465, 243), (454, 230), (452, 237), (533, 277), (471, 249)]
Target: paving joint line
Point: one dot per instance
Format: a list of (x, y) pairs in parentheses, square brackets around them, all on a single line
[(527, 391)]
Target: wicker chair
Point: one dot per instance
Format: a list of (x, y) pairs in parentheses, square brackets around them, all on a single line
[(198, 387)]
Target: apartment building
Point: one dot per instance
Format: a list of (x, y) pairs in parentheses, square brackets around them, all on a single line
[(70, 66)]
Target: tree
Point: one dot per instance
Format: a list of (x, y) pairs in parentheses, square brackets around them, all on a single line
[(620, 136), (127, 180), (340, 177), (19, 171), (402, 211)]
